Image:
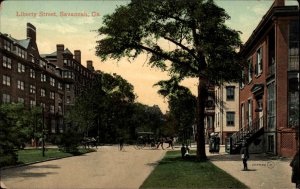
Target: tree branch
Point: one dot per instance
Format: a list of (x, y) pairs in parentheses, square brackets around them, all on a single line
[(165, 56)]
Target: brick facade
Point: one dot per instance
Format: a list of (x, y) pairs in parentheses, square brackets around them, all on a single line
[(268, 90), (41, 80)]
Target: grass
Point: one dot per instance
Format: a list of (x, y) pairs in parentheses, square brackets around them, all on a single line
[(34, 155), (174, 172)]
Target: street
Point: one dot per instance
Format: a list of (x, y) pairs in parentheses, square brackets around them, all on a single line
[(106, 168)]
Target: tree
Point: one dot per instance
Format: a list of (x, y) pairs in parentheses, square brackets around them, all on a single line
[(182, 105), (202, 46), (17, 125), (103, 106)]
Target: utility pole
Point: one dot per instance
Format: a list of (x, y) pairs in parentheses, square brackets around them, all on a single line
[(43, 132)]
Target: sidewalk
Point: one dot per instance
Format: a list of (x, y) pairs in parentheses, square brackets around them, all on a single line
[(264, 172)]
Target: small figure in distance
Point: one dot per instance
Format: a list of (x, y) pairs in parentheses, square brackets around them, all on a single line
[(183, 151), (245, 155), (187, 153), (161, 142), (121, 140), (170, 142), (296, 170)]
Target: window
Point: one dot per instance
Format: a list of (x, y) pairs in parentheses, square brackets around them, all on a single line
[(20, 85), (59, 85), (52, 109), (32, 73), (43, 78), (7, 45), (242, 83), (43, 64), (60, 109), (32, 103), (6, 98), (43, 105), (293, 101), (68, 100), (271, 105), (53, 126), (259, 62), (51, 95), (243, 115), (43, 92), (6, 80), (6, 62), (21, 68), (52, 81), (249, 114), (68, 87), (293, 55), (21, 100), (250, 70), (230, 118), (230, 92), (32, 89)]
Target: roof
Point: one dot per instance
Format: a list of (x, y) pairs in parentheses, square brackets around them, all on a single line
[(24, 43), (266, 21), (67, 51)]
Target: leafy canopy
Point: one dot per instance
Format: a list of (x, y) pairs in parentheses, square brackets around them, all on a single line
[(190, 35)]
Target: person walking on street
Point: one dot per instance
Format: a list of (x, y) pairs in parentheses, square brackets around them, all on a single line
[(245, 155), (121, 140), (295, 170), (161, 142), (183, 151), (170, 142)]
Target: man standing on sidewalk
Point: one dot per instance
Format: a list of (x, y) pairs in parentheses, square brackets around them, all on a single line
[(245, 155)]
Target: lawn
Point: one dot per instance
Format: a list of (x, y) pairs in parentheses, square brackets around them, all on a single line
[(34, 155), (174, 172)]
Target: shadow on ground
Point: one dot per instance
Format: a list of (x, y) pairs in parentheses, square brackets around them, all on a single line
[(31, 171)]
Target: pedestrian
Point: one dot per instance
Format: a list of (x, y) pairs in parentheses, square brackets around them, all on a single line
[(161, 143), (183, 151), (170, 142), (121, 141), (187, 153), (295, 170), (245, 155)]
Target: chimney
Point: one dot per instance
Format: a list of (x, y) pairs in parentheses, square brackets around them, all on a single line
[(60, 59), (31, 32), (89, 65), (279, 3), (77, 54)]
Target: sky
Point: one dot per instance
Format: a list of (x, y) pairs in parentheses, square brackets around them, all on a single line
[(78, 33)]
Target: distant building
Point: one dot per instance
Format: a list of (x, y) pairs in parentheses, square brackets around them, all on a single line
[(269, 95), (51, 81), (209, 112), (226, 110)]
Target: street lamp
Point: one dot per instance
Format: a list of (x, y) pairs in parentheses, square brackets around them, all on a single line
[(43, 132)]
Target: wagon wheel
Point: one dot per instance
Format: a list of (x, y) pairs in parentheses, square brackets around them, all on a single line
[(139, 144)]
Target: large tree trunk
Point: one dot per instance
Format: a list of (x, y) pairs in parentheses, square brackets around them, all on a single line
[(202, 94)]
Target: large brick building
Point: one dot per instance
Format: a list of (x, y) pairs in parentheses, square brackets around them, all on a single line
[(269, 95), (51, 81)]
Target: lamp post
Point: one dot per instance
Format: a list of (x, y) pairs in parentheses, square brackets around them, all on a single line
[(43, 132)]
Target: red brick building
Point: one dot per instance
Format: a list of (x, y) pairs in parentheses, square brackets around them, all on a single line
[(51, 81), (269, 95)]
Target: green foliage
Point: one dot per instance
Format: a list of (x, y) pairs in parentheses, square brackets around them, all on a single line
[(107, 109), (70, 140), (200, 44), (17, 126), (182, 106), (196, 29)]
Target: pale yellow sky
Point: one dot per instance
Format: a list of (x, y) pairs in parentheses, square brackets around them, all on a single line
[(79, 33)]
